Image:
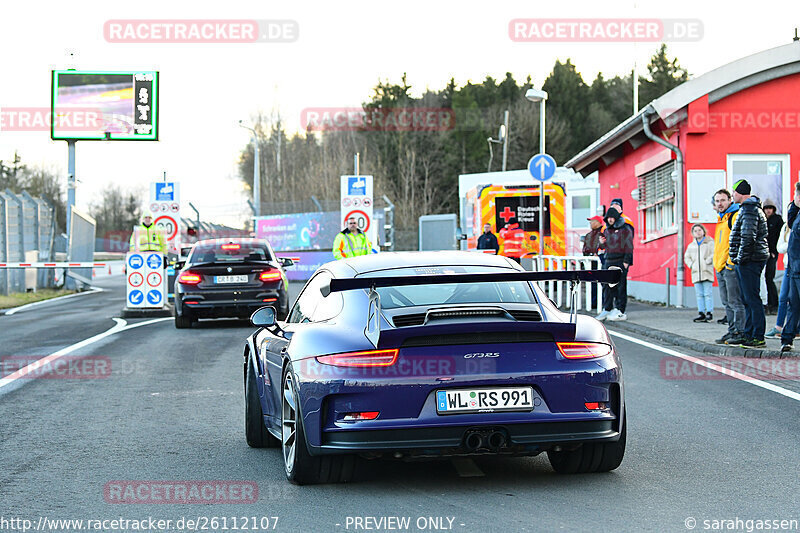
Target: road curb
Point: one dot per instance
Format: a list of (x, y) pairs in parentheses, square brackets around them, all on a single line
[(698, 346), (146, 313)]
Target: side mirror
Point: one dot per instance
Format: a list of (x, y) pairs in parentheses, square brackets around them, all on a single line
[(264, 317), (179, 265), (286, 262)]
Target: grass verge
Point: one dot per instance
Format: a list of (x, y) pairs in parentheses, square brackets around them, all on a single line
[(15, 299)]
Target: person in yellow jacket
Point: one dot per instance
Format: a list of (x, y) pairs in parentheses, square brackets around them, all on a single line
[(351, 242), (729, 291), (150, 236)]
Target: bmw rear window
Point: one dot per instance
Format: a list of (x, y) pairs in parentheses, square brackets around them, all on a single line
[(451, 293), (229, 252)]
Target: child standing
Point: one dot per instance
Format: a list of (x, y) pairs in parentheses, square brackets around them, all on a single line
[(699, 258)]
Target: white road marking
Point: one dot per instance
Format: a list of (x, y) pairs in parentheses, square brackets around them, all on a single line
[(711, 366), (15, 310), (466, 467), (121, 325)]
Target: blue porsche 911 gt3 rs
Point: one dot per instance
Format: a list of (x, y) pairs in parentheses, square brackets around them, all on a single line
[(428, 354)]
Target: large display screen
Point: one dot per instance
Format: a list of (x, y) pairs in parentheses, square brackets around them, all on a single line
[(300, 231), (104, 105)]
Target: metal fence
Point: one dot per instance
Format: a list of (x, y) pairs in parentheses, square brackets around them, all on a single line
[(589, 296), (27, 233)]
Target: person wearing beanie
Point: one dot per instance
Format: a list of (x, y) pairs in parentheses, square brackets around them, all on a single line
[(616, 203), (774, 225), (749, 251), (619, 253)]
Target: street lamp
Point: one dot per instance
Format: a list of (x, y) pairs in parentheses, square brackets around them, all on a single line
[(538, 95), (502, 138), (256, 172)]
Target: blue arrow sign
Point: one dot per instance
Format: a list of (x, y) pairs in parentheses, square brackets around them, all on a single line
[(154, 297), (154, 261), (542, 167), (135, 261), (135, 297)]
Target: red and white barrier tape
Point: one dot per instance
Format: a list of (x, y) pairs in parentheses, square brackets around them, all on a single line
[(50, 265)]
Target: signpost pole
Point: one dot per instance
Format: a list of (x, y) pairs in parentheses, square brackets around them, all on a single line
[(541, 184), (70, 182)]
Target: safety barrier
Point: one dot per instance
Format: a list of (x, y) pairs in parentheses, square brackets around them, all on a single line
[(589, 295)]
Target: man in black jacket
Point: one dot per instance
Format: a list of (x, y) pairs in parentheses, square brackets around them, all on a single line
[(619, 253), (488, 241), (749, 251), (774, 225)]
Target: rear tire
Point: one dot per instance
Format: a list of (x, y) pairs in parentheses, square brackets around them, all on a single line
[(183, 321), (591, 457), (254, 429), (300, 466)]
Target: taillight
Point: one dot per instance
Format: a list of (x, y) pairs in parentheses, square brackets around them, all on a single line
[(584, 350), (190, 278), (368, 358), (270, 275), (230, 246)]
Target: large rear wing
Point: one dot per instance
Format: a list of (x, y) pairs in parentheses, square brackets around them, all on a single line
[(611, 276)]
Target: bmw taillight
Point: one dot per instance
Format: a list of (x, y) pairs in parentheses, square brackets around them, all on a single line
[(584, 350), (270, 275), (190, 278), (361, 359)]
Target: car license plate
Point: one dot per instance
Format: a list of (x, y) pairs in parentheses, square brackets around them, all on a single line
[(230, 279), (484, 400)]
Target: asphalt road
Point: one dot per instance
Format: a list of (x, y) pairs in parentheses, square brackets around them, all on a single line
[(171, 410)]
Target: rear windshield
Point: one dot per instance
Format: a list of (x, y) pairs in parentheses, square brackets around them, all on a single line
[(451, 293), (228, 252)]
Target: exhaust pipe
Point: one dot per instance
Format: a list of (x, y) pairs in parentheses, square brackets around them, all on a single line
[(473, 441), (496, 441)]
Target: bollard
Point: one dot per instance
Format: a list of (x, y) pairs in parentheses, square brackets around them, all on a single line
[(667, 286)]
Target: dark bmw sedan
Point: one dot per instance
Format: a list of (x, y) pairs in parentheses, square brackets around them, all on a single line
[(230, 278)]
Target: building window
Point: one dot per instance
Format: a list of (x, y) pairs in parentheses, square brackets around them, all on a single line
[(657, 202), (581, 210)]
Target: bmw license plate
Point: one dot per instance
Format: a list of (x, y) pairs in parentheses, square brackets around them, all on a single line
[(484, 400), (230, 279)]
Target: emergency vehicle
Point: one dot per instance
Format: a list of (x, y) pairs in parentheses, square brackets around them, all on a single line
[(513, 213)]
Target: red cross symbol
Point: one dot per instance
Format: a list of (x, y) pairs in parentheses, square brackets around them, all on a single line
[(507, 214)]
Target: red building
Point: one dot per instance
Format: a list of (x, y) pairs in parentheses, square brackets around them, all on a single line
[(741, 120)]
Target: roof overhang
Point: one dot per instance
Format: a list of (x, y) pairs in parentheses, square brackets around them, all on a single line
[(671, 108)]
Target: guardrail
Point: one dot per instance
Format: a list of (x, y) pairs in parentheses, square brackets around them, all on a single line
[(589, 295)]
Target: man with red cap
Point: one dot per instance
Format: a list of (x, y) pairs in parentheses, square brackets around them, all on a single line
[(591, 241)]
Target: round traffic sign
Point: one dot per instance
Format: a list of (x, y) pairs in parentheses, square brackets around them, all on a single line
[(542, 167), (154, 279), (168, 225), (136, 297), (361, 218), (135, 279), (135, 261), (154, 297)]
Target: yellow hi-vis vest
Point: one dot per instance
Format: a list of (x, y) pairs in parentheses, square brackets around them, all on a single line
[(150, 239), (351, 245)]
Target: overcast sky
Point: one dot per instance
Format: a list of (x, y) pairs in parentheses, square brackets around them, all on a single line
[(343, 49)]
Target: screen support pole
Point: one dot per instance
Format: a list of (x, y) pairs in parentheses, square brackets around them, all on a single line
[(71, 180)]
